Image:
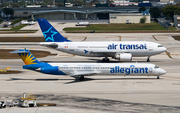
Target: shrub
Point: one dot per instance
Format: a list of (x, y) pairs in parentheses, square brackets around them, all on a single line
[(143, 20)]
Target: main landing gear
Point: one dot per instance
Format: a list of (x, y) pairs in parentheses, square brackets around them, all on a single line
[(106, 59), (148, 59), (80, 78), (158, 77)]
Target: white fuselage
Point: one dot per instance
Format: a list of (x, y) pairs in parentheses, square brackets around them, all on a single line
[(138, 69), (108, 49)]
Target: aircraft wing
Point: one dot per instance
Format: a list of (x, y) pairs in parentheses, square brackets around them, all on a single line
[(83, 74), (106, 52), (103, 52)]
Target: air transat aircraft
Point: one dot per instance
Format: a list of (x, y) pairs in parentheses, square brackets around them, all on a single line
[(79, 70), (121, 50)]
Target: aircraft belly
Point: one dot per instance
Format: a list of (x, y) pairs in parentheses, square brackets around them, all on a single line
[(136, 53), (152, 53), (106, 72)]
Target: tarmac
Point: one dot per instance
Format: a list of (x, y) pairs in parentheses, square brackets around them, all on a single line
[(131, 94)]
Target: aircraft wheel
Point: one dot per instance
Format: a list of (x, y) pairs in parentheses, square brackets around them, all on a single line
[(105, 60), (4, 106), (148, 59), (157, 77), (81, 78)]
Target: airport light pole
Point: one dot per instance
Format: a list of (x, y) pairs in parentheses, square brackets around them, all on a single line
[(64, 3), (54, 3)]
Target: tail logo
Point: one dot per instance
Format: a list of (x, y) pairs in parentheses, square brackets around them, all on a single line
[(49, 34), (85, 51), (28, 58)]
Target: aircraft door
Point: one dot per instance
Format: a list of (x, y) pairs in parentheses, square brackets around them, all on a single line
[(71, 47), (150, 69), (150, 48)]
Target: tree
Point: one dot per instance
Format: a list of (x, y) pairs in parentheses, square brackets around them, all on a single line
[(169, 10), (142, 9), (15, 1), (143, 20), (50, 2), (155, 12), (177, 12), (84, 2), (109, 1), (8, 11), (93, 2), (60, 4), (178, 4), (77, 3)]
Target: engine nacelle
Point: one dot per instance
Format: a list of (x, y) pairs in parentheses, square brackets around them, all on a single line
[(123, 56), (50, 70)]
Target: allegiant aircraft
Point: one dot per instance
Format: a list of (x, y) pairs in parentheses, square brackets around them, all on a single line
[(121, 50), (79, 70)]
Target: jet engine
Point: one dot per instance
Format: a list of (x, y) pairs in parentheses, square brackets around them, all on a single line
[(50, 70), (123, 56), (50, 45)]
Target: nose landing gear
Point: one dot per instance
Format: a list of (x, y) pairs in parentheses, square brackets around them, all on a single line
[(158, 77), (106, 59), (148, 59)]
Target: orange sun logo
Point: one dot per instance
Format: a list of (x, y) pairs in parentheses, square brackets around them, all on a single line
[(28, 59)]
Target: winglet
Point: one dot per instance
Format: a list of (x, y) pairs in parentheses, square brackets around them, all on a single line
[(50, 33)]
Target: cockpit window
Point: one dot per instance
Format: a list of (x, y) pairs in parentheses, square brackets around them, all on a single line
[(160, 45), (156, 66)]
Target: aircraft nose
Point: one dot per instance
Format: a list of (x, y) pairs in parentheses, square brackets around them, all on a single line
[(164, 49), (162, 72)]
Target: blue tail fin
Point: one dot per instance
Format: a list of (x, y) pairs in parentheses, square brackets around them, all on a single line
[(26, 56), (50, 33)]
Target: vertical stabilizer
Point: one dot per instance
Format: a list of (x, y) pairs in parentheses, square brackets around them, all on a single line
[(26, 56), (50, 33)]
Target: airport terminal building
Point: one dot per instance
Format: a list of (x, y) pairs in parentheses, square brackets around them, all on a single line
[(73, 13), (128, 18)]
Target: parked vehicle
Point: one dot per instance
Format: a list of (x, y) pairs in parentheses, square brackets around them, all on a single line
[(2, 104), (82, 24), (28, 23)]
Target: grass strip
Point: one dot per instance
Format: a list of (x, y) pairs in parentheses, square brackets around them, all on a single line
[(22, 39), (10, 72), (119, 28), (6, 55), (100, 31), (17, 29), (176, 37)]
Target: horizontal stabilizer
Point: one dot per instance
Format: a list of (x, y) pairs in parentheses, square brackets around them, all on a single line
[(26, 56), (20, 51)]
